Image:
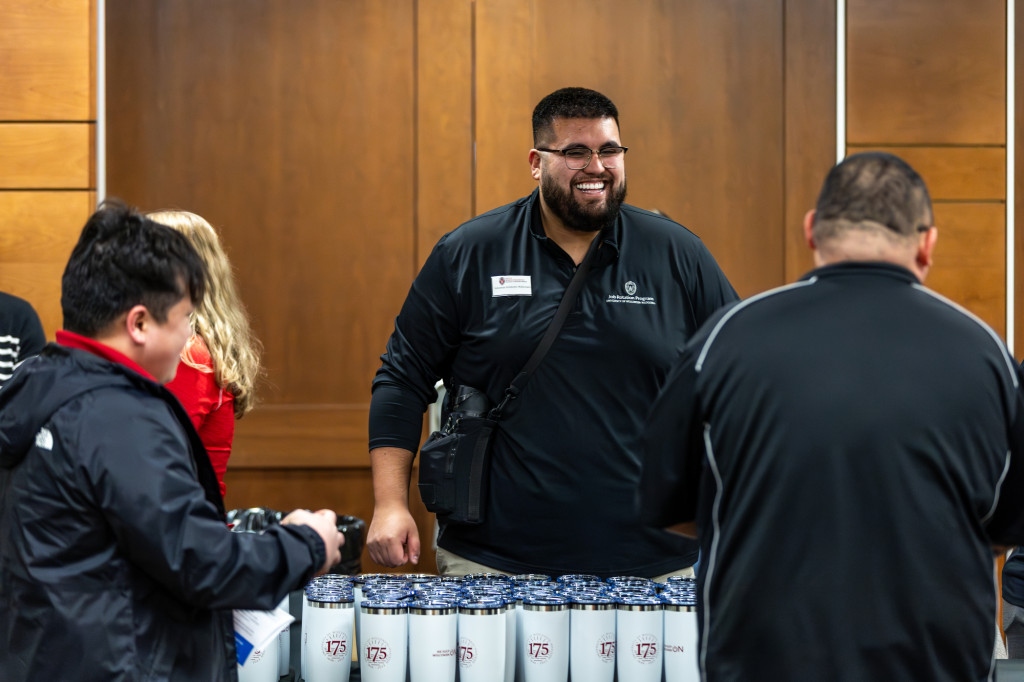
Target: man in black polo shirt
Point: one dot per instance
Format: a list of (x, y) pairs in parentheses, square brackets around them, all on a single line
[(855, 440), (566, 452)]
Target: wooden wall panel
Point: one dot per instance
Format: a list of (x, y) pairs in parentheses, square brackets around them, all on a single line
[(47, 155), (926, 72), (38, 229), (970, 258), (699, 91), (47, 60), (444, 123), (1018, 206), (956, 173), (810, 123)]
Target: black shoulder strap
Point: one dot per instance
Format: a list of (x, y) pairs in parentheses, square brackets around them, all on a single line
[(564, 307)]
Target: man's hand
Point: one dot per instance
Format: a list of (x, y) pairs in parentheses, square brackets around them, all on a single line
[(393, 538), (325, 523)]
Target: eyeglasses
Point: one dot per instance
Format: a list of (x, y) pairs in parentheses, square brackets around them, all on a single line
[(578, 158)]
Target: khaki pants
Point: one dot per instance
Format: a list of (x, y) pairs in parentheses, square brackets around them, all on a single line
[(453, 564)]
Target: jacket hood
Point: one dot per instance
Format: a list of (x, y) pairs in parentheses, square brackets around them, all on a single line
[(41, 385)]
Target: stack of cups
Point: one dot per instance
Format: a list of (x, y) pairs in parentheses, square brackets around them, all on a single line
[(592, 637), (482, 638), (383, 649), (433, 639), (545, 641), (327, 628), (680, 648), (638, 641)]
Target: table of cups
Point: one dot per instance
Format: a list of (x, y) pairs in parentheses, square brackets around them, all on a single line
[(498, 628)]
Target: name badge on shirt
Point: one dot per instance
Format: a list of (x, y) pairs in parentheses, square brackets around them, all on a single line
[(511, 285)]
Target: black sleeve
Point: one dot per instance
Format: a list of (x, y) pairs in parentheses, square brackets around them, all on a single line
[(1006, 524), (421, 348), (673, 449), (31, 333), (141, 475)]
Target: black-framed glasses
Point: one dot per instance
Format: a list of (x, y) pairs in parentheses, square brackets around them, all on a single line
[(578, 158)]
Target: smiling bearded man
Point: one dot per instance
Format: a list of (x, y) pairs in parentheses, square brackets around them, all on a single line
[(567, 445)]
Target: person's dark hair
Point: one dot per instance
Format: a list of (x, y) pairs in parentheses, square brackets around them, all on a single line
[(123, 259), (570, 103), (873, 189)]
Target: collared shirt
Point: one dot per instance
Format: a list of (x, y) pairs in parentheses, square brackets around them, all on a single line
[(566, 455)]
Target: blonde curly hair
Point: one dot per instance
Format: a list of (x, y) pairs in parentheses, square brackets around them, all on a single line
[(220, 319)]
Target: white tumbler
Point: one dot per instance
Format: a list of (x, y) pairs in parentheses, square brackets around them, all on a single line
[(592, 638), (261, 665), (284, 643), (384, 647), (433, 640), (680, 638), (638, 638), (545, 643), (327, 635), (482, 624)]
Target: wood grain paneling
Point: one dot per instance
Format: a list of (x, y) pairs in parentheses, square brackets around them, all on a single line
[(1018, 181), (970, 259), (926, 71), (47, 60), (47, 155), (957, 173), (699, 87), (37, 234), (810, 101), (444, 123), (313, 436), (302, 155)]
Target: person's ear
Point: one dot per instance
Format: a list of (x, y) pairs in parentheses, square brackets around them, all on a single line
[(809, 230), (926, 247), (137, 324), (535, 164)]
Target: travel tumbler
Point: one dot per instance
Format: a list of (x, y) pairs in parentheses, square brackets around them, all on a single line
[(385, 631), (638, 624), (433, 640), (592, 637), (545, 643)]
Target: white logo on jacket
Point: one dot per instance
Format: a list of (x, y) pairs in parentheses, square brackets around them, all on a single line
[(44, 439)]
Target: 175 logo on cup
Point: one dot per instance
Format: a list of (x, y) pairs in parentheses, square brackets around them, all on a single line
[(606, 647), (334, 646), (467, 652), (645, 648), (378, 652), (538, 648)]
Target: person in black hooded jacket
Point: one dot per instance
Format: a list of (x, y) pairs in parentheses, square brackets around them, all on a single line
[(115, 559)]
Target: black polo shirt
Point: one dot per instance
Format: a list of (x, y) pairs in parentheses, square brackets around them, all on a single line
[(566, 458), (851, 437)]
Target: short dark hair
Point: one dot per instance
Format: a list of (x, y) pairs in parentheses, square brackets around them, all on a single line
[(123, 259), (874, 187), (570, 103)]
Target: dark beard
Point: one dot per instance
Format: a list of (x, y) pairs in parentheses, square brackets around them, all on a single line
[(571, 212)]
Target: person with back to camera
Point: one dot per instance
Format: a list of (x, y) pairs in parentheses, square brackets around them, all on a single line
[(115, 560), (567, 447), (21, 334), (220, 363), (850, 447)]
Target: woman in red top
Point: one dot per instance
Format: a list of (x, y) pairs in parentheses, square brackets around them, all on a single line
[(220, 363)]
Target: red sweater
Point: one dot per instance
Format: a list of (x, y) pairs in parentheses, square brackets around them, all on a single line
[(210, 407)]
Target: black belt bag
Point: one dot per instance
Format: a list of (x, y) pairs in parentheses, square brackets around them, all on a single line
[(455, 461)]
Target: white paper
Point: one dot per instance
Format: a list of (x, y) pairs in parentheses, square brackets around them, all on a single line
[(255, 630)]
